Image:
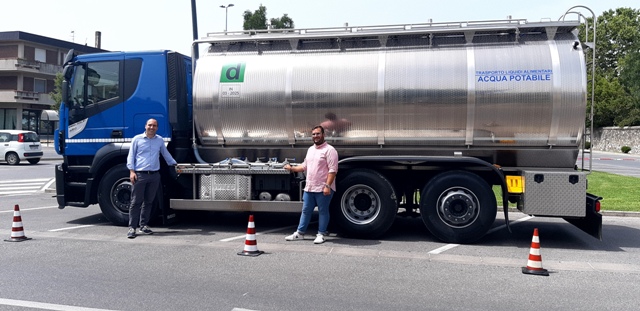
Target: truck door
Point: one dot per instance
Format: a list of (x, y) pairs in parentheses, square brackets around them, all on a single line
[(95, 115), (146, 81)]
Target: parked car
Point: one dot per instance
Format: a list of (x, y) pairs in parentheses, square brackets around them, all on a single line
[(18, 145)]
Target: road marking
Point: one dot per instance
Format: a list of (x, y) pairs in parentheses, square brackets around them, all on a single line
[(443, 248), (510, 223), (24, 180), (45, 306), (71, 228), (25, 186), (268, 231), (47, 185), (30, 209), (450, 246)]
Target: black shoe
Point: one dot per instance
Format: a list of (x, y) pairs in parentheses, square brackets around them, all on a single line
[(132, 233), (145, 230)]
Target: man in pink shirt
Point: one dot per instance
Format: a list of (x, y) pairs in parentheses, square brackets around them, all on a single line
[(321, 166)]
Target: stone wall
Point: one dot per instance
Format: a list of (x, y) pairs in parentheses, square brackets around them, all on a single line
[(613, 138)]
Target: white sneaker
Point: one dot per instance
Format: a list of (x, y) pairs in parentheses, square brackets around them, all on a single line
[(295, 236), (319, 239)]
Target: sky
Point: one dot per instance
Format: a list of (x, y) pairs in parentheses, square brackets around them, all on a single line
[(132, 25)]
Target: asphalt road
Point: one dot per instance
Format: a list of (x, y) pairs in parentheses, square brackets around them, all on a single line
[(76, 259)]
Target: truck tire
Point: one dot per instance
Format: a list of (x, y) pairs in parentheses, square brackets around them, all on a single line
[(114, 195), (458, 207), (364, 205)]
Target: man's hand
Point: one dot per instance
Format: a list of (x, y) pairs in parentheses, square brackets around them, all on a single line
[(326, 190), (133, 177)]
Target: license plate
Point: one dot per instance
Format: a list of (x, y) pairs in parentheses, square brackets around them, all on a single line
[(33, 147)]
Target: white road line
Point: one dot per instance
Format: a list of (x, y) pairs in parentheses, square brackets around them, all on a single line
[(268, 231), (71, 228), (24, 180), (46, 186), (22, 187), (17, 192), (450, 246), (45, 306), (510, 223), (443, 249), (29, 209)]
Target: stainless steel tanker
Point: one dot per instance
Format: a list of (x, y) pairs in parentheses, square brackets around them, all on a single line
[(425, 117)]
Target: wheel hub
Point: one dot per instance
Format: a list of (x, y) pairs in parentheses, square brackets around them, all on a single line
[(360, 204), (121, 196), (458, 208)]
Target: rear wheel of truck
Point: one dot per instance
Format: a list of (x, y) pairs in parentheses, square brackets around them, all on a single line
[(114, 195), (458, 207), (364, 205)]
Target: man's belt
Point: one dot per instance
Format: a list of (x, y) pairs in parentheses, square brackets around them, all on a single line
[(146, 172)]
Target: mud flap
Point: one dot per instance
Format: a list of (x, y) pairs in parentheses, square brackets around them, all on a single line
[(592, 222), (60, 182), (165, 193)]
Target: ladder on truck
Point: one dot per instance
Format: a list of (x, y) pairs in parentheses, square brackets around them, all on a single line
[(587, 132)]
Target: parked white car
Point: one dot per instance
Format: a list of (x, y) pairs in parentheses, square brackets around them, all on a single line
[(18, 145)]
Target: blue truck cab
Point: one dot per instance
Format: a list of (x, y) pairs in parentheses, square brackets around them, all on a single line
[(107, 99)]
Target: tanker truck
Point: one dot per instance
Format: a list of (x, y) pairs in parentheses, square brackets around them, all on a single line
[(441, 120)]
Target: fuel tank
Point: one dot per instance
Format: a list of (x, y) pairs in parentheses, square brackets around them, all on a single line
[(510, 91)]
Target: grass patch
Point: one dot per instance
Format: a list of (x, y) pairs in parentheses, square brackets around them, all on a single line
[(619, 193)]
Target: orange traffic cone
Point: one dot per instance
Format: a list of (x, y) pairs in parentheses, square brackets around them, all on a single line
[(534, 264), (250, 244), (17, 232)]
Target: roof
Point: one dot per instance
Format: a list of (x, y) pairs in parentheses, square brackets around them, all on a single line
[(25, 36)]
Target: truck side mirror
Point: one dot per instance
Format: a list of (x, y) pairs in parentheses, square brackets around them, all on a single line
[(65, 91)]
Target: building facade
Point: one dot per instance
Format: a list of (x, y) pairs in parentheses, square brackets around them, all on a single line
[(28, 67)]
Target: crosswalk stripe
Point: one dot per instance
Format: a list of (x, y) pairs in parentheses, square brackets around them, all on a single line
[(24, 186)]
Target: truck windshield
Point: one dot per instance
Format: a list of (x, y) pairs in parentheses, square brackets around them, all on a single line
[(94, 83)]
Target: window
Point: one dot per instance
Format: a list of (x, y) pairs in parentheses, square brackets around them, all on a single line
[(8, 119), (41, 55), (101, 83), (30, 120), (39, 85)]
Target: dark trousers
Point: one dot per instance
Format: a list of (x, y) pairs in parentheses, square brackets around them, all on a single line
[(143, 193)]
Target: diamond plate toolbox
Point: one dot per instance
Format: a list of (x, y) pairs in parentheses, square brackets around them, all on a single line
[(553, 193), (225, 187)]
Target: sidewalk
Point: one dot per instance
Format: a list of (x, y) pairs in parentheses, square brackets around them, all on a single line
[(49, 153)]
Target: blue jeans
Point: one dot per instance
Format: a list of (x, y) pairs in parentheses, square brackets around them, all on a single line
[(310, 201)]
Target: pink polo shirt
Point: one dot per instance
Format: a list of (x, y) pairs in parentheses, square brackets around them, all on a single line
[(319, 162)]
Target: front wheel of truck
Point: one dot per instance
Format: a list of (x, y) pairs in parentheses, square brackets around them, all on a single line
[(114, 195)]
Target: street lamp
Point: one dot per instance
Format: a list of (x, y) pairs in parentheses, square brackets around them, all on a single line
[(226, 14)]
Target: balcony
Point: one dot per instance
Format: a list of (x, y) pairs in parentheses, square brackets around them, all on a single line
[(24, 97), (21, 65)]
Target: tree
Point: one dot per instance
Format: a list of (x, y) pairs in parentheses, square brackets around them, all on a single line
[(258, 20), (283, 22), (617, 90), (617, 35), (56, 95)]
